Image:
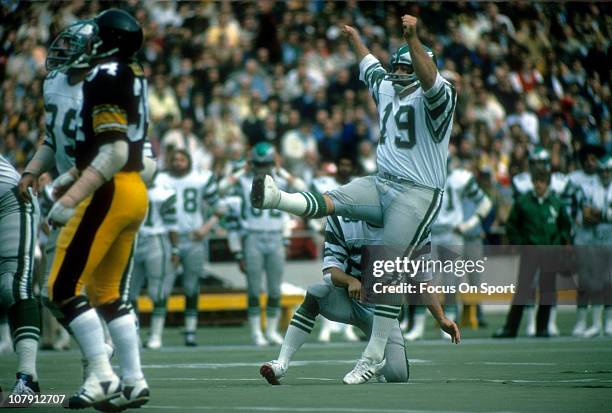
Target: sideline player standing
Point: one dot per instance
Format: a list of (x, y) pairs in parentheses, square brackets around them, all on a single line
[(415, 106), (195, 193), (262, 248), (18, 226), (152, 257)]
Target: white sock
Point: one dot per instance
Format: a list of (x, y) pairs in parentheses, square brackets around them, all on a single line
[(294, 203), (26, 350), (381, 328), (299, 329), (5, 333), (107, 336), (608, 316), (272, 324), (597, 316), (88, 332), (191, 323), (157, 326), (531, 320), (294, 339), (125, 337), (255, 323)]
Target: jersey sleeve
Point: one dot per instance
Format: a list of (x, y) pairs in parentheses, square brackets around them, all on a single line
[(440, 103), (210, 192), (336, 252), (473, 191), (168, 213), (372, 73)]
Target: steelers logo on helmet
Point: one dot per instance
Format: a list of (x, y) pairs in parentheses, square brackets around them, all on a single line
[(402, 82), (263, 156), (119, 34), (71, 47)]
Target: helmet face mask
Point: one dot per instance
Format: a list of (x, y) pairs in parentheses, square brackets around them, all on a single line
[(72, 46), (402, 82)]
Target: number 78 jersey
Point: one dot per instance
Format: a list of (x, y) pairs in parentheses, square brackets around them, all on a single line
[(414, 129)]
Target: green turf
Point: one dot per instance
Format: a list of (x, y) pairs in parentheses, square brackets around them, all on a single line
[(523, 375)]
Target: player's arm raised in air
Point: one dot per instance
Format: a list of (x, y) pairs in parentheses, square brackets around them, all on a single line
[(422, 63), (371, 72)]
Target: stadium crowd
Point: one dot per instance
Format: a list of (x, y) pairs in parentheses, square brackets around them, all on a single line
[(225, 76)]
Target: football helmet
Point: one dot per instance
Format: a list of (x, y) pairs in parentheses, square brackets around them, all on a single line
[(539, 158), (118, 34), (404, 81), (71, 47), (263, 156)]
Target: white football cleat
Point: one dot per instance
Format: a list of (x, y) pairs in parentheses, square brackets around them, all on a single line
[(259, 340), (593, 331), (153, 343), (364, 370), (95, 391), (134, 394), (274, 337), (264, 192), (579, 328), (273, 371)]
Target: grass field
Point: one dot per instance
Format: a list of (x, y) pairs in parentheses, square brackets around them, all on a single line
[(479, 375)]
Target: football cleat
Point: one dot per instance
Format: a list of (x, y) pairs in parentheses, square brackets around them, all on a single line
[(190, 339), (593, 331), (264, 192), (134, 394), (579, 328), (95, 391), (25, 385), (258, 339), (274, 338), (153, 343), (273, 371), (364, 370)]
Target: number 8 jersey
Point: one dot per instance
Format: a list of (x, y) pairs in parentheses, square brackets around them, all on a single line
[(194, 192), (414, 129)]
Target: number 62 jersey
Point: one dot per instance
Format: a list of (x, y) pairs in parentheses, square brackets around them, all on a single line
[(414, 129)]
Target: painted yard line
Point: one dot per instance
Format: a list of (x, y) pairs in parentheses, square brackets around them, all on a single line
[(593, 380), (305, 409), (503, 363), (258, 364)]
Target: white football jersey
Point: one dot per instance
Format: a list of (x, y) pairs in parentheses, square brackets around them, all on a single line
[(560, 184), (9, 177), (414, 129), (460, 185), (161, 214), (344, 239), (586, 184), (602, 199), (195, 192), (63, 103)]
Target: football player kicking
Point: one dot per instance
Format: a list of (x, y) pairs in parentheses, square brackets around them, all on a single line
[(18, 227), (196, 196), (415, 106), (338, 299), (101, 212)]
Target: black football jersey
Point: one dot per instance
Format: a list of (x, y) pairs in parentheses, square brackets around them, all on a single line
[(114, 100)]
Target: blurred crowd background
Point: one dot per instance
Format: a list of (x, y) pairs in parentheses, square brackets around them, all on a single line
[(226, 75)]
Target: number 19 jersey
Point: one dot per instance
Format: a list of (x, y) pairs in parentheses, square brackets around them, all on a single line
[(414, 129)]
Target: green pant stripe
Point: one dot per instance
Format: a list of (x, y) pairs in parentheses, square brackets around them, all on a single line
[(386, 315)]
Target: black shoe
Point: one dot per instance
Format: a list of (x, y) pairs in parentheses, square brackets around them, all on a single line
[(504, 333), (25, 384), (190, 340)]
